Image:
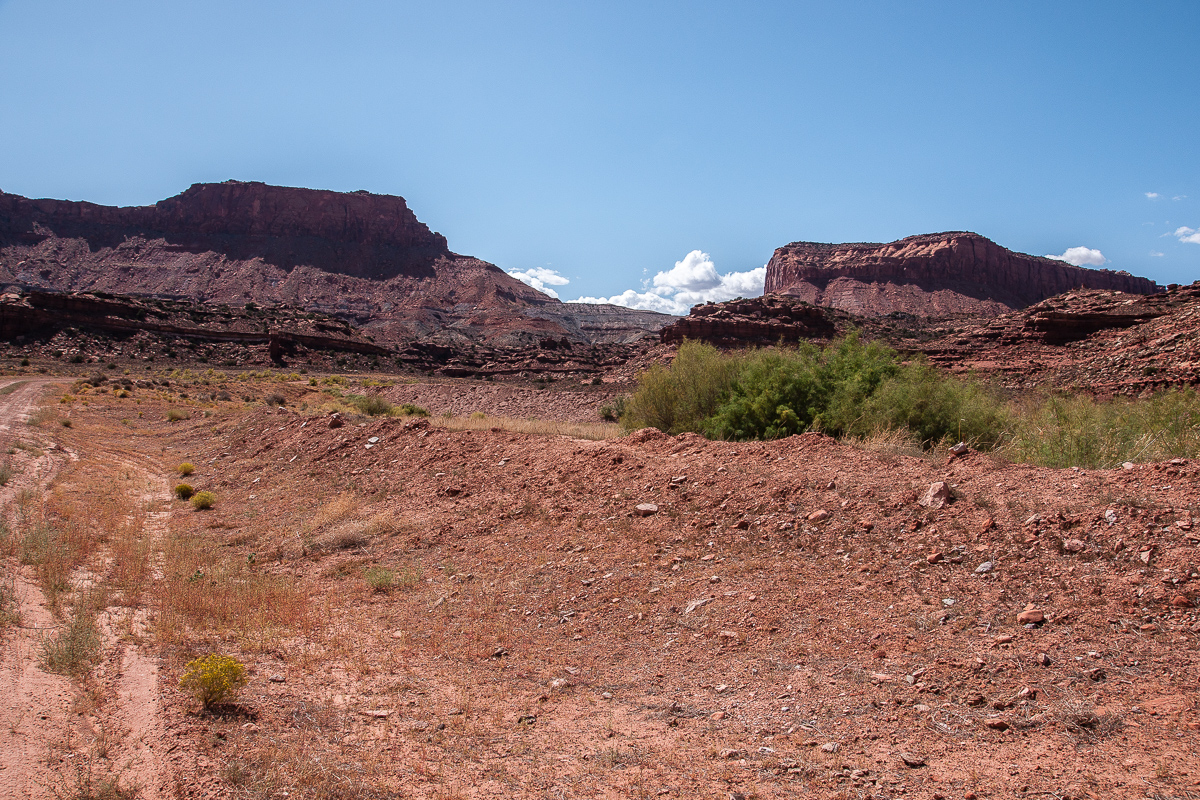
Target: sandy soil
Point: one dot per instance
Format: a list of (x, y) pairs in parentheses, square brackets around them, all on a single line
[(788, 620)]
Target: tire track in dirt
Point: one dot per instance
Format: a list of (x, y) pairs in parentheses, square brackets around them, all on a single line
[(36, 721), (136, 711)]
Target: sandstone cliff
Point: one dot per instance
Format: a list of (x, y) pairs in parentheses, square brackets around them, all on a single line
[(363, 257), (931, 275)]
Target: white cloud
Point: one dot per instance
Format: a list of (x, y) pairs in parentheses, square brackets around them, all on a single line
[(541, 279), (1156, 254), (691, 281), (1151, 195), (1180, 197), (1189, 235), (1080, 256)]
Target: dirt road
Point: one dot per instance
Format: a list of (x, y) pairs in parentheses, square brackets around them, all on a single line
[(61, 737)]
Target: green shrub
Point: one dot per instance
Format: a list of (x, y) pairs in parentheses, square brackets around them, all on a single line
[(184, 491), (614, 412), (186, 468), (934, 407), (372, 405), (175, 415), (203, 500), (213, 679), (680, 398), (784, 392), (409, 410)]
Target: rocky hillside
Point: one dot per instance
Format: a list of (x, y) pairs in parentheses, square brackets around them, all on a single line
[(363, 257), (1095, 341), (937, 274)]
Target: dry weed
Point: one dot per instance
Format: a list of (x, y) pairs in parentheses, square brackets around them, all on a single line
[(575, 430)]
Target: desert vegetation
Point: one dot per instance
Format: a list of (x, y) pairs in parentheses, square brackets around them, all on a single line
[(866, 391)]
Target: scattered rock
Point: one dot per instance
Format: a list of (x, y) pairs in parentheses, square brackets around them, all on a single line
[(277, 678), (936, 496), (829, 747), (1181, 601), (645, 510), (693, 605), (718, 716), (912, 760), (820, 515), (1074, 545), (1110, 517), (335, 420), (996, 723), (934, 557), (984, 568), (1031, 616)]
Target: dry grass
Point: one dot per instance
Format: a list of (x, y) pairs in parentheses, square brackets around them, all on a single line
[(208, 593), (575, 430)]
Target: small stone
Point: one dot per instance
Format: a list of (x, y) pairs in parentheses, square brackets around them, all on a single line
[(1027, 693), (1031, 616), (1074, 545), (974, 699), (936, 496), (987, 525), (373, 440), (934, 557), (829, 747), (1096, 674), (715, 579), (335, 421), (730, 753), (1127, 465), (277, 678), (720, 715), (984, 568), (397, 634), (959, 449), (1110, 517), (1181, 601), (1149, 627), (1044, 659), (912, 760), (997, 723), (820, 515), (645, 510), (606, 695)]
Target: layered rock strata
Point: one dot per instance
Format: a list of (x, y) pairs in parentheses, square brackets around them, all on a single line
[(931, 275), (363, 257)]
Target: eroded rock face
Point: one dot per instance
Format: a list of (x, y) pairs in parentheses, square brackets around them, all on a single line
[(355, 233), (937, 274), (363, 257)]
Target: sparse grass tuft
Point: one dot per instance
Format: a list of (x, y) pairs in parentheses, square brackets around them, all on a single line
[(203, 500), (184, 491), (185, 469), (75, 648), (175, 415), (380, 579)]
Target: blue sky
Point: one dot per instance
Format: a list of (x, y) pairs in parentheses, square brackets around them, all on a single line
[(661, 150)]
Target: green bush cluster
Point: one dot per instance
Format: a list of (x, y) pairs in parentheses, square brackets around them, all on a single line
[(861, 390)]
